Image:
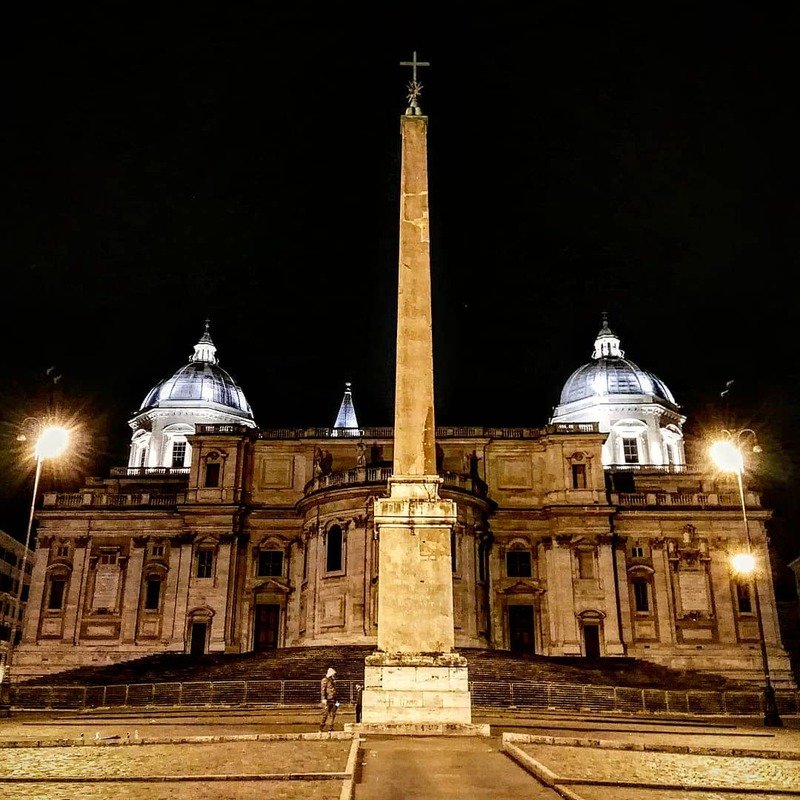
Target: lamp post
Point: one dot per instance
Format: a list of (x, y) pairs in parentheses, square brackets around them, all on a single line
[(51, 442), (727, 455)]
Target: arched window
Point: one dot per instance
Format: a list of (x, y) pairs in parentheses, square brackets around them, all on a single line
[(152, 592), (744, 602), (641, 594), (334, 549), (56, 591)]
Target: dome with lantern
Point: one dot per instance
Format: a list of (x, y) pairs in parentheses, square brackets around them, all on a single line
[(632, 404), (200, 392)]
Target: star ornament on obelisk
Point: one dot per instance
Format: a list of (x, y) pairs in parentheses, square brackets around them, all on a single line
[(415, 678)]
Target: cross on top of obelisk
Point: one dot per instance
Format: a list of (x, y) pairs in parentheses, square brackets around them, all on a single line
[(414, 87)]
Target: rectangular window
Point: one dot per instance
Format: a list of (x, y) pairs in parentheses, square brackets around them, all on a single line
[(579, 476), (212, 475), (270, 562), (178, 454), (143, 457), (585, 564), (641, 598), (743, 600), (482, 563), (62, 550), (157, 550), (108, 558), (518, 564), (152, 594), (630, 450), (56, 599), (637, 551), (205, 563)]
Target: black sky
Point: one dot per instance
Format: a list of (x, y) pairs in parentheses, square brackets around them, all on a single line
[(244, 166)]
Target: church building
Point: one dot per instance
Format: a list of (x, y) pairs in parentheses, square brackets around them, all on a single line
[(589, 536)]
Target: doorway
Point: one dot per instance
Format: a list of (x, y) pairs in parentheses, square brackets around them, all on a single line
[(591, 641), (520, 629), (266, 627), (197, 644)]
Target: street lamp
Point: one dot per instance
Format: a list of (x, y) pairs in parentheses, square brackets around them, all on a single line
[(50, 443), (727, 455)]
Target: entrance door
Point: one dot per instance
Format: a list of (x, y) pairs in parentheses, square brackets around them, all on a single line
[(266, 627), (591, 641), (520, 629), (198, 641)]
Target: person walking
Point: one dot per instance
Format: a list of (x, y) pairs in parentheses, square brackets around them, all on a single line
[(330, 705)]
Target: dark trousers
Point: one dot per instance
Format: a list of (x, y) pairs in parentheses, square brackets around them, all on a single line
[(328, 714)]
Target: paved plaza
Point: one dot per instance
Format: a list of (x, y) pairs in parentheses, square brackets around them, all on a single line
[(280, 754)]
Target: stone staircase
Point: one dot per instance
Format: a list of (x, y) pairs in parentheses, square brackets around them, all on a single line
[(310, 663)]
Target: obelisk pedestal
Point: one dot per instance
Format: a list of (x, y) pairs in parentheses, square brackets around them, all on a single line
[(415, 676)]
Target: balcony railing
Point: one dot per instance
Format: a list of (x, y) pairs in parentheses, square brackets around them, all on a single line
[(148, 472), (684, 499), (380, 475), (662, 469), (109, 500), (442, 432)]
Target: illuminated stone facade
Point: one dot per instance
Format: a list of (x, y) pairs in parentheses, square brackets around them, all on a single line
[(269, 541)]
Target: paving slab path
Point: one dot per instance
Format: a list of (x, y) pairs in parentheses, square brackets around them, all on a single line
[(442, 768)]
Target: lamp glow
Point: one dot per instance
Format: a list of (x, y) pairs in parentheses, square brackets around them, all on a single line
[(727, 456), (743, 563), (52, 442)]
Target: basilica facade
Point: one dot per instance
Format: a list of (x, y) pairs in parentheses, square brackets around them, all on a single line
[(592, 535)]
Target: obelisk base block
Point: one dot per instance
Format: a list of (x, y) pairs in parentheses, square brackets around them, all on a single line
[(429, 689)]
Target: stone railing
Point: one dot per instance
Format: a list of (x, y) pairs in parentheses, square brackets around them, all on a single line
[(381, 475), (147, 472), (663, 469), (684, 499), (485, 694), (442, 432), (108, 500)]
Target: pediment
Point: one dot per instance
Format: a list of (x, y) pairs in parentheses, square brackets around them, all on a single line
[(272, 585), (523, 587)]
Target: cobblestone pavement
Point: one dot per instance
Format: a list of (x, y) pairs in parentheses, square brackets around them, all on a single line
[(229, 790), (158, 760), (587, 759), (583, 763), (427, 768), (120, 762)]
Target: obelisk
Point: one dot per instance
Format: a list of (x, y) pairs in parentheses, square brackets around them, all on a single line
[(415, 677)]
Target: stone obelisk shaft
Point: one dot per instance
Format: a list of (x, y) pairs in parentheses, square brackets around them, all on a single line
[(414, 523), (414, 429)]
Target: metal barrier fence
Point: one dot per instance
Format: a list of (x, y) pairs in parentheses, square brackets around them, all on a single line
[(485, 694)]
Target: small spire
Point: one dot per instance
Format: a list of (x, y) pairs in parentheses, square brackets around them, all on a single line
[(346, 418), (607, 342), (205, 350)]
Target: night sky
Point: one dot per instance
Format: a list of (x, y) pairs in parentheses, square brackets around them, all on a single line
[(244, 167)]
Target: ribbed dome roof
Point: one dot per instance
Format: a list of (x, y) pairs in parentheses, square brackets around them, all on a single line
[(610, 373), (202, 381)]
